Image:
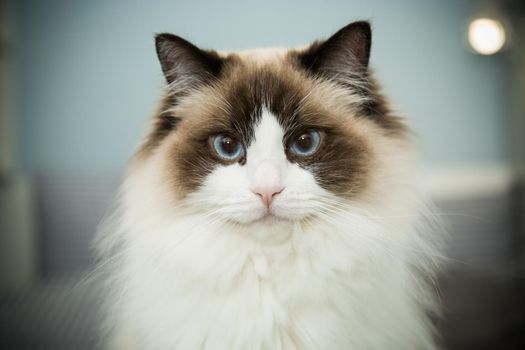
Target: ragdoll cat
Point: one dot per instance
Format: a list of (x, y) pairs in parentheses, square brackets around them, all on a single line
[(271, 206)]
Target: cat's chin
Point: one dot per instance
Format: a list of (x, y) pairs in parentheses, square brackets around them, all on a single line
[(270, 218)]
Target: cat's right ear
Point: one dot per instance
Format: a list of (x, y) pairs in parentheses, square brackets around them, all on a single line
[(344, 54), (184, 63)]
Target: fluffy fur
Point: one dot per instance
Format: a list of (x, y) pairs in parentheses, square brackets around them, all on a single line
[(195, 259)]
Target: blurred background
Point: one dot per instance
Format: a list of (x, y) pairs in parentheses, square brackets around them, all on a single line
[(79, 80)]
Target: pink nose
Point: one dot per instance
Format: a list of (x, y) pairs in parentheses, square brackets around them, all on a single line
[(268, 194)]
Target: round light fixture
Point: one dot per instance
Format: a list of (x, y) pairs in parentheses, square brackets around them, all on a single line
[(486, 36)]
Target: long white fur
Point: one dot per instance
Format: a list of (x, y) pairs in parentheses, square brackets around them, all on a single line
[(321, 273)]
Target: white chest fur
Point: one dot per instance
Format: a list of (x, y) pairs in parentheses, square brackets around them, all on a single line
[(313, 287)]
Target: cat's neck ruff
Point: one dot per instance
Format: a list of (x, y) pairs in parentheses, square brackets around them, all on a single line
[(207, 281)]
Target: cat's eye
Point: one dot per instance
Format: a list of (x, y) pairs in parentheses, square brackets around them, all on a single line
[(306, 144), (227, 147)]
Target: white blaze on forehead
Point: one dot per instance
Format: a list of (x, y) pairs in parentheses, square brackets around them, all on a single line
[(265, 157), (268, 139)]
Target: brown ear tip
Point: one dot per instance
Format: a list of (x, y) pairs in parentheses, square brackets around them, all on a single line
[(362, 27), (362, 24), (161, 38)]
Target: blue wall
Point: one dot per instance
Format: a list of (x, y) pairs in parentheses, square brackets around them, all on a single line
[(88, 74)]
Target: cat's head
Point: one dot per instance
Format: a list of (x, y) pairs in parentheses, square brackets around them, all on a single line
[(272, 134)]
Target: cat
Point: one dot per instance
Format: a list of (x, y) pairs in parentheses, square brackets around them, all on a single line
[(272, 205)]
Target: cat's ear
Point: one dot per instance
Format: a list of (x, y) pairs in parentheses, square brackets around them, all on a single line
[(346, 53), (183, 62)]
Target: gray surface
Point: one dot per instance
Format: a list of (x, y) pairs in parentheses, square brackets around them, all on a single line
[(481, 311), (480, 232), (69, 211), (57, 314)]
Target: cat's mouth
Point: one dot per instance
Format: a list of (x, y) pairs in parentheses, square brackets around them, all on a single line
[(266, 216), (275, 215)]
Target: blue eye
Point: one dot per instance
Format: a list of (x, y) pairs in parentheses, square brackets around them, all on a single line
[(227, 147), (306, 144)]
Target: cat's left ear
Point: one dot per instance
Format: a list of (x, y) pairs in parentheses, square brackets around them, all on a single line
[(184, 63), (345, 54)]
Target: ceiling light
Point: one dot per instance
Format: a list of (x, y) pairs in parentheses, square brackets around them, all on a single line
[(486, 36)]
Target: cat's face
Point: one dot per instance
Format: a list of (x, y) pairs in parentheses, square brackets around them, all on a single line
[(270, 134)]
